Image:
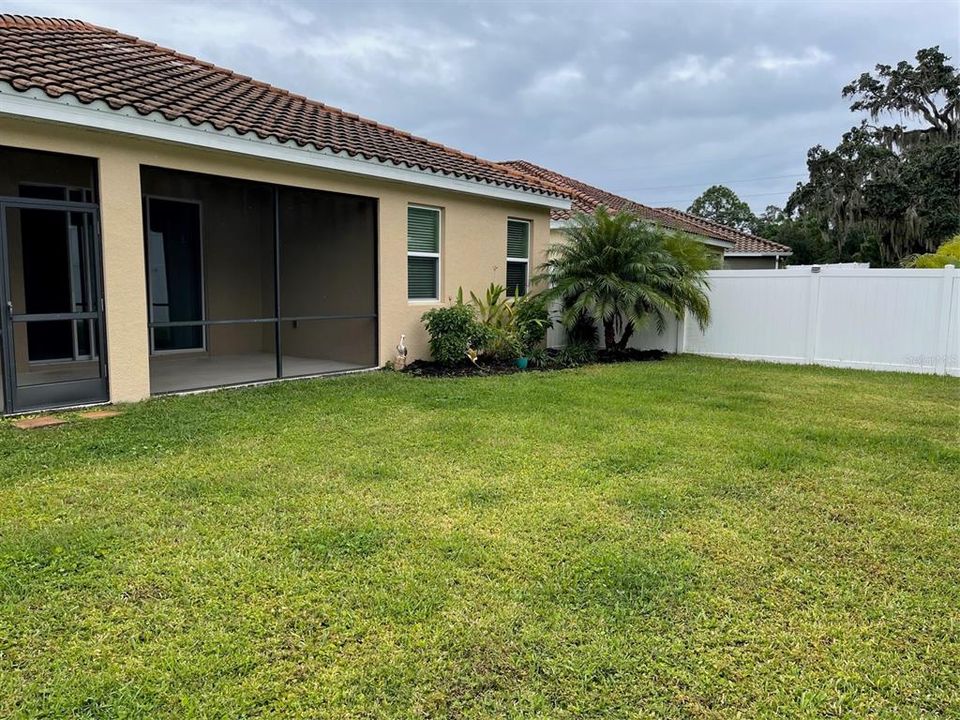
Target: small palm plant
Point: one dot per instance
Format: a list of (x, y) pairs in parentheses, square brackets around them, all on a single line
[(494, 308), (619, 271)]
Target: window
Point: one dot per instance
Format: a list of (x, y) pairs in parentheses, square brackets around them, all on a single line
[(518, 257), (423, 253)]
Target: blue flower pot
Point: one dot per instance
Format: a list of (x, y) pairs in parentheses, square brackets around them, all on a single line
[(522, 363)]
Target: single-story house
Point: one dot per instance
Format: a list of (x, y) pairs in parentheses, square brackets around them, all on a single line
[(740, 250), (168, 225)]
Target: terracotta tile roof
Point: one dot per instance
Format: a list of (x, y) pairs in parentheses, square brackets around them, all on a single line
[(587, 198), (70, 57), (745, 242)]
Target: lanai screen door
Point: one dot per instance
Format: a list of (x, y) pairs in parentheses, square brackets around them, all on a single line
[(51, 303), (52, 328)]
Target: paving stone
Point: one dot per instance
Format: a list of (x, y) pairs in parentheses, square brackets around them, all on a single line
[(39, 422)]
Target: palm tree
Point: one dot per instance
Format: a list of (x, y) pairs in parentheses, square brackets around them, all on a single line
[(620, 271)]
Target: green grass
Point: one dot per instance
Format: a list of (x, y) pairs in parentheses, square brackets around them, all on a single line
[(690, 538)]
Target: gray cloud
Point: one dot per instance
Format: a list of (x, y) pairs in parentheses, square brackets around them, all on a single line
[(654, 101)]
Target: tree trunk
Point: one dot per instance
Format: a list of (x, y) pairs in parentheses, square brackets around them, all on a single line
[(609, 337), (625, 337)]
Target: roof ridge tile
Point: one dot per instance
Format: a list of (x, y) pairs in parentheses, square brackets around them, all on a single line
[(37, 21)]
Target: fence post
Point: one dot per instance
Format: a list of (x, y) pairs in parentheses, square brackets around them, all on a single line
[(943, 327), (813, 316)]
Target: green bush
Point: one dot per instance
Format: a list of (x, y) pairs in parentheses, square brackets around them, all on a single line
[(502, 343), (538, 357), (452, 330), (515, 326), (577, 353), (495, 314), (947, 254), (495, 325), (531, 316)]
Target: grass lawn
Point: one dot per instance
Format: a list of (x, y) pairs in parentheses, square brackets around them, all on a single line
[(689, 538)]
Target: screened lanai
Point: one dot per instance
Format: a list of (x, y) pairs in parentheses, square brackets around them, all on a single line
[(249, 282)]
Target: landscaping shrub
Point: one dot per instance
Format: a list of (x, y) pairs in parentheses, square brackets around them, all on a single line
[(531, 316), (538, 357), (495, 312), (515, 326), (452, 330), (502, 343), (577, 353), (494, 308), (947, 254)]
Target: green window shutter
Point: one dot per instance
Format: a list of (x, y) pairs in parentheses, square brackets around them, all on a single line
[(423, 230), (422, 277), (516, 278), (518, 239)]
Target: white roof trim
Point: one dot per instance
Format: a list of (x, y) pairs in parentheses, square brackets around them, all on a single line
[(37, 105)]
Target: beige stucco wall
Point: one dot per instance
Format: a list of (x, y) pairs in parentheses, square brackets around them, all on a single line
[(473, 251)]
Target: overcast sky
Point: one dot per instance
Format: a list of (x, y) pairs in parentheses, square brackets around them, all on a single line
[(655, 101)]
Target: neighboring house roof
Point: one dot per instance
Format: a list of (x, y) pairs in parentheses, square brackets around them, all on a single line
[(587, 198), (82, 65), (745, 243)]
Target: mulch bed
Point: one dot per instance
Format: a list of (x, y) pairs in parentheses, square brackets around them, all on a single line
[(428, 368), (630, 355)]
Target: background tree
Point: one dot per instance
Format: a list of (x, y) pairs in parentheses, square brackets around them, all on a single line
[(619, 271), (887, 192), (930, 90), (721, 204), (767, 224), (801, 235), (840, 199)]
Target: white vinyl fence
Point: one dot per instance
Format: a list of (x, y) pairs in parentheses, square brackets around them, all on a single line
[(906, 320)]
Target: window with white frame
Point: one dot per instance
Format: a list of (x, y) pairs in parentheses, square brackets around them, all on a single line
[(518, 257), (423, 253)]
